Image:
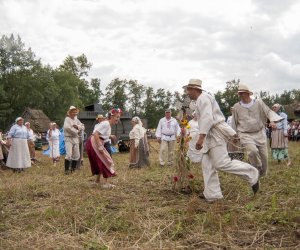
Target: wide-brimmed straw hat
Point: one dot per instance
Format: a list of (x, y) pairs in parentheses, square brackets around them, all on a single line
[(194, 84), (243, 88), (72, 108), (99, 117)]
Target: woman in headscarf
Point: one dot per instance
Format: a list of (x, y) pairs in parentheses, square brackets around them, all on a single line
[(139, 148), (53, 139), (18, 156), (98, 148), (279, 136)]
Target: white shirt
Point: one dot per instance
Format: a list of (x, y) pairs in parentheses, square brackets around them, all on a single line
[(104, 129), (229, 120), (55, 133), (137, 133), (167, 129), (17, 131)]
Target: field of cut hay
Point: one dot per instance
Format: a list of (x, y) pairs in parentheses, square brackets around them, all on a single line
[(41, 208)]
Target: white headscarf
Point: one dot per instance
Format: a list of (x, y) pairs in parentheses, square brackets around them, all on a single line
[(137, 120)]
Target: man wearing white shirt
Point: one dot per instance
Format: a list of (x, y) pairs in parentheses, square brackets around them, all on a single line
[(166, 133), (213, 134)]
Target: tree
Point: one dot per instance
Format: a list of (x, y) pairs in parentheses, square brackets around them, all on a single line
[(115, 95), (150, 108), (17, 73), (79, 65), (136, 94)]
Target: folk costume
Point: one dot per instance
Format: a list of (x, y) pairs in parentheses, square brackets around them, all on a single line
[(18, 156), (72, 127), (249, 120), (167, 131), (194, 154), (139, 147), (101, 163), (98, 148), (279, 135), (214, 148), (52, 137)]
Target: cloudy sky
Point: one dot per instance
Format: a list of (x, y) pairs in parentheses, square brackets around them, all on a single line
[(164, 43)]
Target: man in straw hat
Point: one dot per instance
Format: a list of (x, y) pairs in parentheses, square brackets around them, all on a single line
[(249, 117), (214, 133), (72, 128)]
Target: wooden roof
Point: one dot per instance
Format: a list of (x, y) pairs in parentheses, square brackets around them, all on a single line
[(39, 122)]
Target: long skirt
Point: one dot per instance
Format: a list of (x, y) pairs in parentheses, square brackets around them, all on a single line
[(279, 145), (54, 149), (139, 157), (101, 163), (18, 156)]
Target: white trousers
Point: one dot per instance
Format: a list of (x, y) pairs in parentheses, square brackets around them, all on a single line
[(258, 157), (217, 159), (166, 152), (72, 150)]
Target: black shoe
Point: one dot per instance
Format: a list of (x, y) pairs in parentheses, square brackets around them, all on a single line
[(67, 166), (255, 187), (73, 165)]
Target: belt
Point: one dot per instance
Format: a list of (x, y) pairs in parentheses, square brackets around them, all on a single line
[(168, 135)]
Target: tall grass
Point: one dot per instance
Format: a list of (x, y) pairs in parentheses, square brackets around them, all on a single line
[(41, 208)]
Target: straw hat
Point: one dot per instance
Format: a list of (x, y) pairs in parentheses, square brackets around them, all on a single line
[(99, 117), (194, 84), (27, 123), (243, 88), (72, 108)]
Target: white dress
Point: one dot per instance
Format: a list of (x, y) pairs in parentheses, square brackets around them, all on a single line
[(194, 154), (53, 139)]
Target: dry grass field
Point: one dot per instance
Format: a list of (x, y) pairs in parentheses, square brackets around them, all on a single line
[(41, 208)]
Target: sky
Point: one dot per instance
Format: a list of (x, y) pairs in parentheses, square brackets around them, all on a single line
[(164, 43)]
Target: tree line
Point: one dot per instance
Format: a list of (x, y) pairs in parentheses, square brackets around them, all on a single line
[(26, 82)]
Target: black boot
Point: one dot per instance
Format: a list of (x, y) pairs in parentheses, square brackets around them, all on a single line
[(67, 166), (73, 166)]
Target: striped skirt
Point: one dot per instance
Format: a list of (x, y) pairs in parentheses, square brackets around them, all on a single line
[(278, 139)]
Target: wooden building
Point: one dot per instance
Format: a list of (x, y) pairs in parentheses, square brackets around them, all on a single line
[(39, 122)]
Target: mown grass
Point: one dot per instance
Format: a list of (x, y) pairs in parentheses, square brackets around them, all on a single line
[(41, 208)]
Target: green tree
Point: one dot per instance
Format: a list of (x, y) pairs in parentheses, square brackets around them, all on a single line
[(149, 106), (88, 91), (18, 66), (136, 95), (115, 95), (226, 99)]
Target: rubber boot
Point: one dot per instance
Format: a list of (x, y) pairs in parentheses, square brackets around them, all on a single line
[(73, 166), (67, 166)]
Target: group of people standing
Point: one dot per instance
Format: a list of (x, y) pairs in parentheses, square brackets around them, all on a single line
[(209, 132)]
